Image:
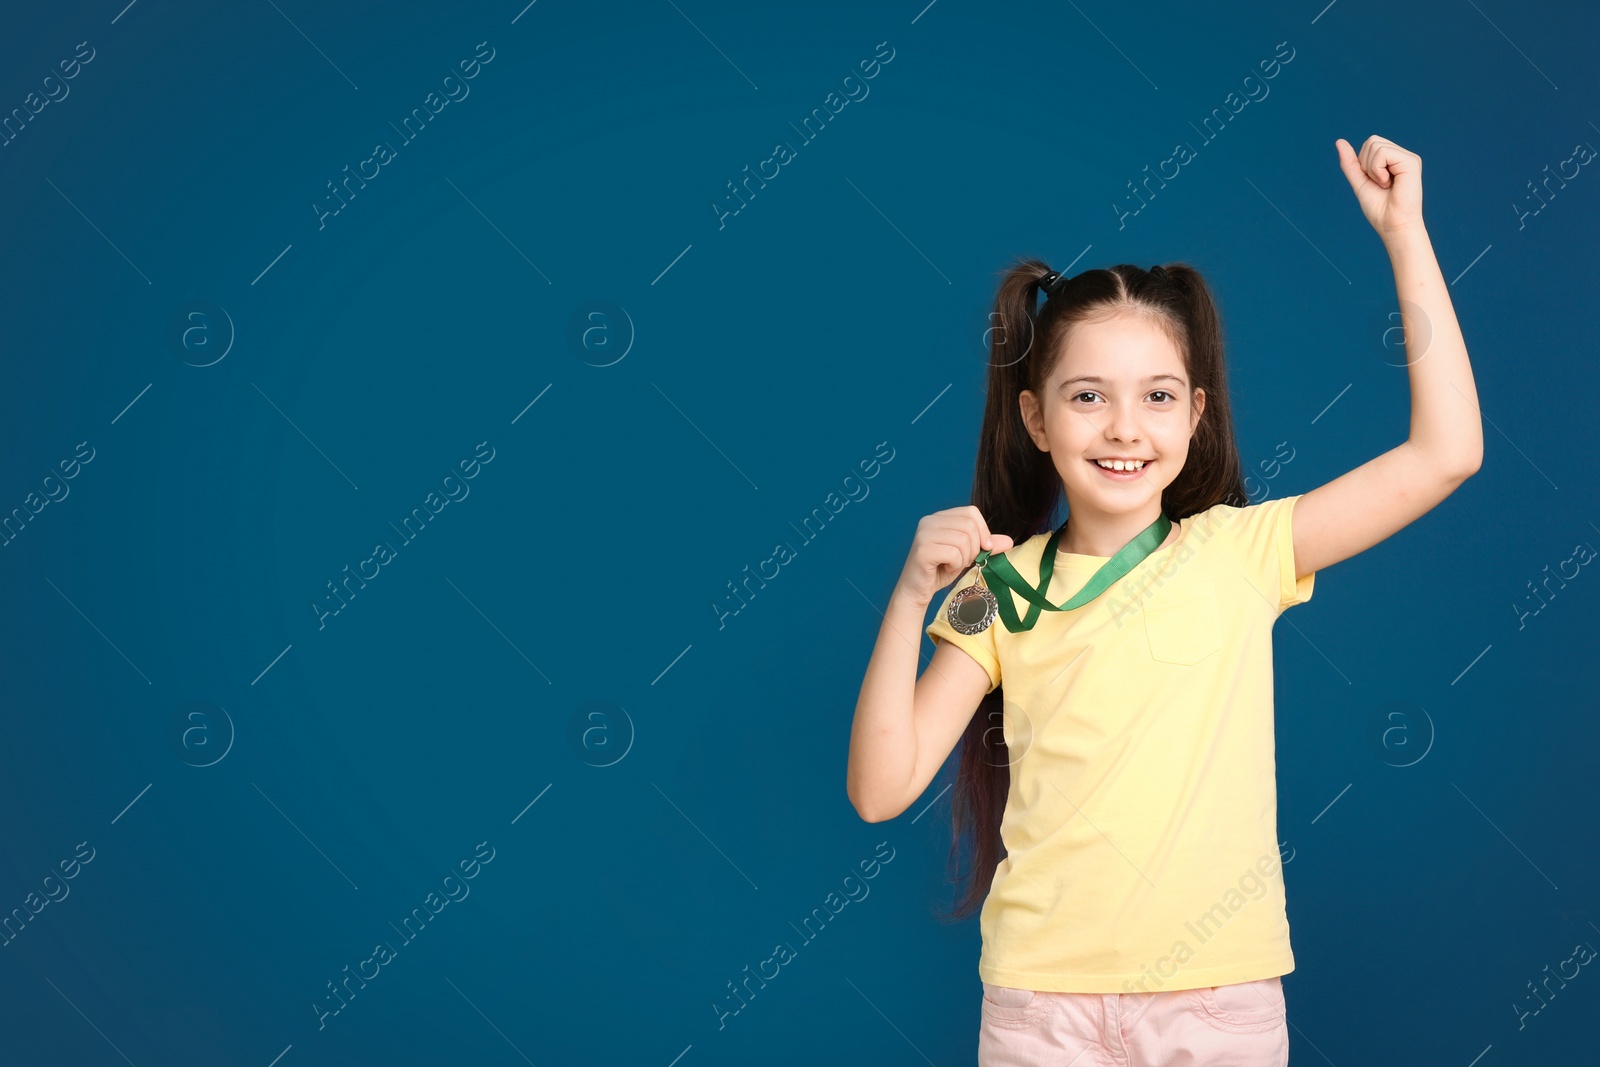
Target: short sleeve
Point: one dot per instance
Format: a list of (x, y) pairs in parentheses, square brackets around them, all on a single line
[(1265, 534), (1290, 591), (1261, 539), (980, 646)]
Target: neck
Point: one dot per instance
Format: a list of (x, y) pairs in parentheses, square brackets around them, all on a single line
[(1098, 533)]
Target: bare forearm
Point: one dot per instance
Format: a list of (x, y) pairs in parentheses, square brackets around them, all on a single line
[(883, 738), (1446, 425)]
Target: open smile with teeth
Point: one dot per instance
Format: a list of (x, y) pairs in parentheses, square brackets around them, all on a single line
[(1120, 465)]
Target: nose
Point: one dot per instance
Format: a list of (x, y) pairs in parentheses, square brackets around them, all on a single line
[(1122, 424)]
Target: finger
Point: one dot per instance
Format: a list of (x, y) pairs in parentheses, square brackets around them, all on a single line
[(1366, 158), (995, 545), (1369, 151), (1392, 160), (1368, 147), (947, 559), (994, 542), (1351, 165), (1382, 157), (948, 556), (1380, 154), (978, 530), (960, 533), (977, 527)]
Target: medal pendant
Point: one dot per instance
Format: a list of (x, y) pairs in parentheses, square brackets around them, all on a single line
[(972, 610)]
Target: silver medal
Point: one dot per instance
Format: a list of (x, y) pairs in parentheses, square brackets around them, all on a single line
[(972, 610)]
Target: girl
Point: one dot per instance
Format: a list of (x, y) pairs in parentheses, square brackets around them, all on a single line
[(1128, 769)]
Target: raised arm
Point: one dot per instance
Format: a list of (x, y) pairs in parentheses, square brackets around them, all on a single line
[(1357, 510)]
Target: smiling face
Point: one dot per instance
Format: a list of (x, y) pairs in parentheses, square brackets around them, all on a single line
[(1119, 391)]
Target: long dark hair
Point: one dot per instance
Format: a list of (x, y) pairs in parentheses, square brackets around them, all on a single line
[(1018, 490)]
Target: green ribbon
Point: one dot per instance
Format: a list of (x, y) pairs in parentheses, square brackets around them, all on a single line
[(997, 571)]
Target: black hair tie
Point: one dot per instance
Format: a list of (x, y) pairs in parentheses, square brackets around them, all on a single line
[(1051, 283)]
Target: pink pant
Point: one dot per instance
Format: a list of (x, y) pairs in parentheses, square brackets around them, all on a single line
[(1239, 1025)]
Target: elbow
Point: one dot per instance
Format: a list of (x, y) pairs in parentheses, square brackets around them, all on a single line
[(1453, 463), (1457, 468), (855, 799), (877, 793), (883, 813), (869, 811)]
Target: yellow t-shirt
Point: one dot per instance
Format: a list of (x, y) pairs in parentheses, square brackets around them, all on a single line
[(1140, 828)]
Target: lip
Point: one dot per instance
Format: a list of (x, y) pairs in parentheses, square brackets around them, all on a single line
[(1121, 476)]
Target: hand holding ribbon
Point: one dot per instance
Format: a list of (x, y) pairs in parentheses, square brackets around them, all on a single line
[(996, 571)]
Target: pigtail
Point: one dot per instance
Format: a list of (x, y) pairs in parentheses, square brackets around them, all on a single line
[(1013, 483), (1016, 489)]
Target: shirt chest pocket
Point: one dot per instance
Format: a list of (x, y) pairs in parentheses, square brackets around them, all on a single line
[(1183, 624)]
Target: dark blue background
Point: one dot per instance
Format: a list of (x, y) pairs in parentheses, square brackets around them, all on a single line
[(843, 307)]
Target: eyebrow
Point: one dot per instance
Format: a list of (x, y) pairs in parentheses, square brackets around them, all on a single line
[(1103, 381)]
